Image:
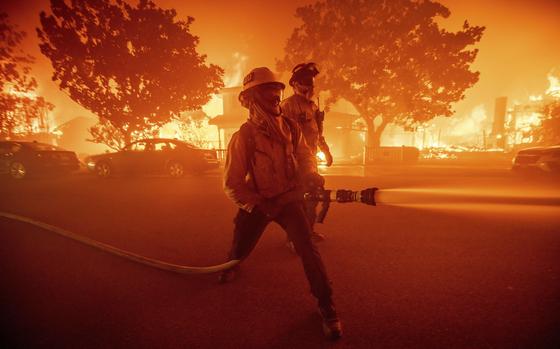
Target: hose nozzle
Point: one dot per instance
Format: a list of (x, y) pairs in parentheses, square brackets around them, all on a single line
[(366, 196)]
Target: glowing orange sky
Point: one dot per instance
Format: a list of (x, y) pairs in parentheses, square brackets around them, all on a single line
[(517, 51)]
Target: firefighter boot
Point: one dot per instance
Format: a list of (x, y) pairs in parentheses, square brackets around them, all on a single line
[(332, 327)]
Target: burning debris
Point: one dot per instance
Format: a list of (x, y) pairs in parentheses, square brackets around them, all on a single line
[(453, 152), (193, 128)]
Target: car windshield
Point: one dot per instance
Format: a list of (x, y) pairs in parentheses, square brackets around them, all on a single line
[(42, 146)]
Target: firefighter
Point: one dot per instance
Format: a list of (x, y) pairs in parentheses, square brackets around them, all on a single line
[(266, 159), (301, 108)]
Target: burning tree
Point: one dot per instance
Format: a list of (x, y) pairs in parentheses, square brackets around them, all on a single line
[(389, 59), (136, 67), (22, 112), (194, 129)]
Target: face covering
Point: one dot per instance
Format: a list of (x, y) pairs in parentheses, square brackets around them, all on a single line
[(267, 123), (304, 90), (268, 101)]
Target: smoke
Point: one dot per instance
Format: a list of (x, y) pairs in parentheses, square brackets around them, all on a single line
[(214, 107), (234, 77), (235, 73), (469, 124)]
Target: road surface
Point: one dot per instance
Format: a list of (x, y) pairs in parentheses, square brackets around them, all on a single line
[(453, 273)]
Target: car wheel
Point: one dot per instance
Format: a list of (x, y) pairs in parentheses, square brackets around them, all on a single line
[(176, 169), (103, 169), (17, 170)]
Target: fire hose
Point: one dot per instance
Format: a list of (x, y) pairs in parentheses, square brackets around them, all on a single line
[(366, 196), (182, 269)]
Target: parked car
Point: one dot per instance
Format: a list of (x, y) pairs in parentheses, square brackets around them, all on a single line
[(538, 159), (21, 159), (154, 156)]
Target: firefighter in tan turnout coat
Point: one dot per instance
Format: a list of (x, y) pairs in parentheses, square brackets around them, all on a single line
[(266, 158)]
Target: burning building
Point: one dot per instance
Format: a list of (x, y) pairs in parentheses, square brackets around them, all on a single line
[(343, 133), (232, 117), (27, 116), (524, 119)]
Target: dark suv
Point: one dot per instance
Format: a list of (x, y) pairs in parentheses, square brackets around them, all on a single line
[(154, 156), (538, 159), (20, 159)]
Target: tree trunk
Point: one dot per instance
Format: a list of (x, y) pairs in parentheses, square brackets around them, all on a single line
[(374, 134), (127, 137), (373, 137), (371, 141)]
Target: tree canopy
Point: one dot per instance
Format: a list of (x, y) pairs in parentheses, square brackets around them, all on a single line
[(14, 63), (135, 67), (389, 58)]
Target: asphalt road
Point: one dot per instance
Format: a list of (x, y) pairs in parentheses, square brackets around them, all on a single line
[(448, 270)]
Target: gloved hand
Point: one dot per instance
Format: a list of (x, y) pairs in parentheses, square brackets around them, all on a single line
[(312, 181), (328, 157), (267, 208)]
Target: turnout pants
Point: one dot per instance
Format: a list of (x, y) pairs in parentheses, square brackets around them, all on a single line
[(293, 219), (311, 212)]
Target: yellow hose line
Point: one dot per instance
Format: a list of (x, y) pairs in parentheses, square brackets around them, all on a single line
[(182, 269)]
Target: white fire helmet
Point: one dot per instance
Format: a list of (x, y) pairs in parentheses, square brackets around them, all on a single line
[(260, 76)]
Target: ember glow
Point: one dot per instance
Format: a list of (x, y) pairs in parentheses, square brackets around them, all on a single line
[(32, 95), (200, 134)]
